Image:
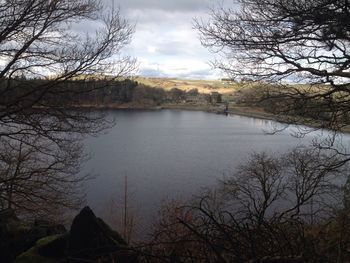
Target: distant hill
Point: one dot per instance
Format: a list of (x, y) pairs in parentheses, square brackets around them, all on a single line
[(203, 86)]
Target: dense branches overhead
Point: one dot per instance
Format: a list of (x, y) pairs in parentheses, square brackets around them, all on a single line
[(297, 41), (276, 39), (41, 37), (50, 40)]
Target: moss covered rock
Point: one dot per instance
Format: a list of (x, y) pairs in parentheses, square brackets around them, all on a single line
[(35, 255)]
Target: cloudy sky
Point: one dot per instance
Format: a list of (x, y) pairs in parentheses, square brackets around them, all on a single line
[(165, 43)]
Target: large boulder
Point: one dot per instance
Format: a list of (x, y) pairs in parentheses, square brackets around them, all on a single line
[(49, 249), (92, 239)]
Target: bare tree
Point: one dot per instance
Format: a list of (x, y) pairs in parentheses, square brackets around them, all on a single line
[(41, 39), (37, 179), (296, 54), (269, 210), (44, 48), (295, 41)]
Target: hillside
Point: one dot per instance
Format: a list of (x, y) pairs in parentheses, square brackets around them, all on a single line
[(203, 86)]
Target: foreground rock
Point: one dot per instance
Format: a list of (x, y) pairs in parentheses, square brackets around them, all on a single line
[(89, 240), (16, 236)]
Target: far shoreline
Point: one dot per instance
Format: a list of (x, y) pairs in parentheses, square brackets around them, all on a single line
[(244, 111)]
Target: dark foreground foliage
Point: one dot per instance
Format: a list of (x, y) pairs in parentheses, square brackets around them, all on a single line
[(291, 208)]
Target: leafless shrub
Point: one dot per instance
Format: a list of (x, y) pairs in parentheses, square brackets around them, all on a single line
[(267, 211)]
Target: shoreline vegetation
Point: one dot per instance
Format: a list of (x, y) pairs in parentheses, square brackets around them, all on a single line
[(215, 96), (225, 96), (245, 111)]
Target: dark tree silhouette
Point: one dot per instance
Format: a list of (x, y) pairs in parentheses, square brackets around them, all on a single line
[(271, 209), (278, 40), (42, 39), (41, 180), (44, 47)]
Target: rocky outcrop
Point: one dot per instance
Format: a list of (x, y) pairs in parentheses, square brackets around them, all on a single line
[(17, 237), (89, 240), (92, 239), (11, 236)]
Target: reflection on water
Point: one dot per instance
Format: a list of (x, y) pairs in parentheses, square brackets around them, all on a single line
[(172, 154)]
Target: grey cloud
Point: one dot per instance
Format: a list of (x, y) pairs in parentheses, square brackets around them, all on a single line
[(190, 74), (196, 74), (158, 18), (171, 48), (150, 72), (180, 68), (167, 5), (165, 34)]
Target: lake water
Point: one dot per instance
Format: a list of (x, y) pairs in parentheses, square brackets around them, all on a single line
[(171, 154)]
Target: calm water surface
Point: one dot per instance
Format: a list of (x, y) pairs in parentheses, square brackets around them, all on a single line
[(171, 154)]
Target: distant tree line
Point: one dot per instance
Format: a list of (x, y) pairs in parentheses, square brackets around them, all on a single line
[(95, 92), (282, 103)]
